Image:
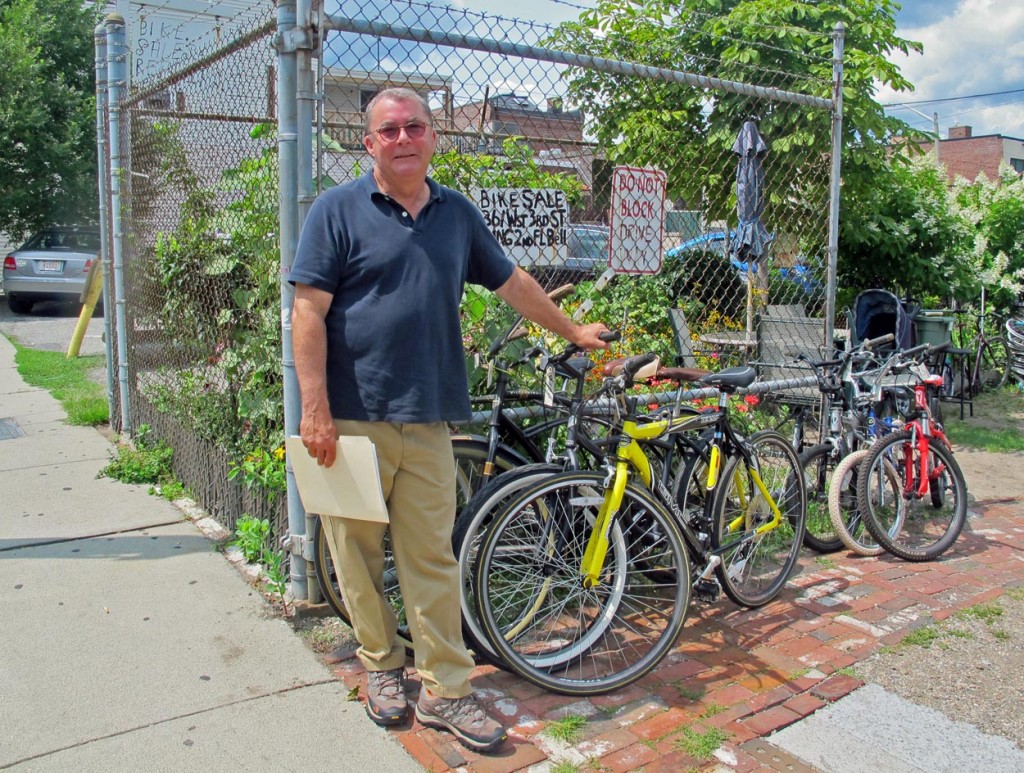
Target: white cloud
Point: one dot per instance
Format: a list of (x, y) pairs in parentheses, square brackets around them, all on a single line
[(974, 49)]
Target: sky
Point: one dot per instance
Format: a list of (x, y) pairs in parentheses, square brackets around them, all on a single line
[(971, 47)]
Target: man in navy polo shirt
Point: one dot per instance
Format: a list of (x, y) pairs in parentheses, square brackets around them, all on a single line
[(379, 276)]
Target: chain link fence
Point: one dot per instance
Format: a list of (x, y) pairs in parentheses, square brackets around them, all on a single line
[(723, 257), (201, 261)]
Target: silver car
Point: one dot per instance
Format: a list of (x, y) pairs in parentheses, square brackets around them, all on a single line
[(51, 266)]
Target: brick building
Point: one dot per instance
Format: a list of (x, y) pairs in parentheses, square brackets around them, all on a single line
[(965, 155)]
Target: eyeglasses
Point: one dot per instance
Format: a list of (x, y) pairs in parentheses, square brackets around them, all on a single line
[(413, 130)]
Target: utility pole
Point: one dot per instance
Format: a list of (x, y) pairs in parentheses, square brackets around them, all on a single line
[(935, 125)]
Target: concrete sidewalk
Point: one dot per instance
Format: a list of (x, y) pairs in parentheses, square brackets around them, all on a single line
[(128, 642)]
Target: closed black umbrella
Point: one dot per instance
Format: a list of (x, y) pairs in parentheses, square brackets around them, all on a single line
[(752, 238)]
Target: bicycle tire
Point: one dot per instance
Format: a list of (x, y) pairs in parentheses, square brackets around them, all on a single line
[(992, 364), (740, 509), (924, 531), (470, 455), (844, 511), (532, 553), (690, 486), (470, 526), (818, 464)]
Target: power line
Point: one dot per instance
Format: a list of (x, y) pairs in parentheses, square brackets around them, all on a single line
[(956, 99)]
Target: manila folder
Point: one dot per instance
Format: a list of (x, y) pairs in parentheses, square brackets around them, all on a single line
[(349, 488)]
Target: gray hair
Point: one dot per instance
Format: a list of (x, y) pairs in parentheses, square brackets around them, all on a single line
[(398, 94)]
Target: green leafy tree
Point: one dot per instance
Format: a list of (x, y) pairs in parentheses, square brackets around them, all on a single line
[(994, 209), (47, 114), (786, 44), (908, 237)]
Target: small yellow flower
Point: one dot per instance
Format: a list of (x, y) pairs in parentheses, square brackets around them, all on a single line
[(279, 453)]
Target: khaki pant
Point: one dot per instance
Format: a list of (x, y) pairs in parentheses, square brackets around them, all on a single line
[(417, 472)]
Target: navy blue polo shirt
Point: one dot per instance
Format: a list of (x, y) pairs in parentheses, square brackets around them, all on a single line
[(394, 338)]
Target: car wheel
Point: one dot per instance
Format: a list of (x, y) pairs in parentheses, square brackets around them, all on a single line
[(18, 305)]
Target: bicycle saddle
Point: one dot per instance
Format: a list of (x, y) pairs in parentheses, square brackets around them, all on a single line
[(731, 379)]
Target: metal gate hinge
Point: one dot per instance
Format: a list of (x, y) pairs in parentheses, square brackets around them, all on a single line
[(292, 40), (298, 545)]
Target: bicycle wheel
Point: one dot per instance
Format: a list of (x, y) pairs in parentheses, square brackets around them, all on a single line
[(690, 486), (993, 364), (757, 561), (911, 526), (818, 464), (470, 466), (535, 610), (842, 505), (470, 526)]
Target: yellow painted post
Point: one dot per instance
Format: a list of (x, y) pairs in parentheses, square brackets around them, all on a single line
[(90, 296)]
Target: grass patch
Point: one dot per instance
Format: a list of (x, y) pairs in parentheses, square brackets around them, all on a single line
[(84, 401), (1000, 634), (997, 424), (1017, 594), (711, 710), (565, 767), (826, 562), (987, 613), (690, 693), (566, 729), (849, 671), (1003, 440), (925, 637), (701, 745)]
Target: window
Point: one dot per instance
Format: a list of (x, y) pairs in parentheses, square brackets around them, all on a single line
[(365, 97), (1018, 165)]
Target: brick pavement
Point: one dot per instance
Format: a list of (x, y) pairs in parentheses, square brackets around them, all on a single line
[(742, 673)]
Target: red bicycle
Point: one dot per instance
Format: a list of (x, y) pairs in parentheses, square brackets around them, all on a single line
[(925, 518)]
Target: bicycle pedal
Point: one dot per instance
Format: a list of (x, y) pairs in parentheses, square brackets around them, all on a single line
[(707, 590)]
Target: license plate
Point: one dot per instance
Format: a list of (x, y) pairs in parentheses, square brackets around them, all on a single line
[(51, 265)]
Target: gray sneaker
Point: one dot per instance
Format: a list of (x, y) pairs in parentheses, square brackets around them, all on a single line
[(385, 699), (463, 718)]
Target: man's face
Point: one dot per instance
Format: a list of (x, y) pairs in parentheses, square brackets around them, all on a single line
[(401, 140)]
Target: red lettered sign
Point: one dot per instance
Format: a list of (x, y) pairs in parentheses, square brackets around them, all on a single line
[(637, 219)]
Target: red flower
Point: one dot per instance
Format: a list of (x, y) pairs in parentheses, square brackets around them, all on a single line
[(742, 408), (751, 400)]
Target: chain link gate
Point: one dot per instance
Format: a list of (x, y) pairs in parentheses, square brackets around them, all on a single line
[(199, 209), (220, 158)]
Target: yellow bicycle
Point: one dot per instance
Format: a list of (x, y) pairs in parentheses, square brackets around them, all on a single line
[(583, 578)]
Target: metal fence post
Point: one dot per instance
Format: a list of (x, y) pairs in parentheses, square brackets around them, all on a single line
[(305, 100), (287, 134), (117, 72), (839, 38), (100, 40)]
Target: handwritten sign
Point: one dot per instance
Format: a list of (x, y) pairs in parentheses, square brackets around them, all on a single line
[(531, 224), (637, 219)]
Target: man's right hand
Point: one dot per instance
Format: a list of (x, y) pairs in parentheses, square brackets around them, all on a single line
[(319, 436)]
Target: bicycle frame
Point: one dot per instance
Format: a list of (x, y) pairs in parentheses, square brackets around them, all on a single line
[(630, 458), (922, 431)]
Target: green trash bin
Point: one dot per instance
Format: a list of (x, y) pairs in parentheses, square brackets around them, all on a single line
[(934, 326)]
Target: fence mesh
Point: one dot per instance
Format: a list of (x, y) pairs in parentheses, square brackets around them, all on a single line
[(201, 260), (521, 104), (517, 105)]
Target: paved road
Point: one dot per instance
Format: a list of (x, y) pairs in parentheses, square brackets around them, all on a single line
[(50, 326)]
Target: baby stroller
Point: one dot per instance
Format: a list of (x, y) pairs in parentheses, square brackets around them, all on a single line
[(878, 313)]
